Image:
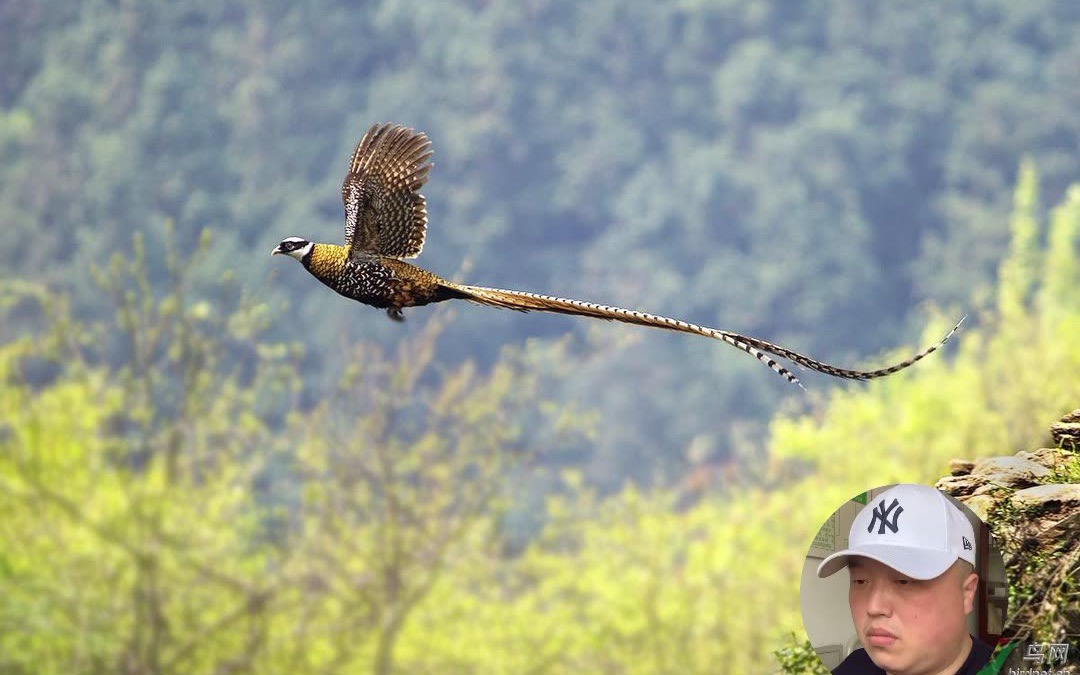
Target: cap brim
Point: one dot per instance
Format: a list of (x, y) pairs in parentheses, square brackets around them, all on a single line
[(912, 562)]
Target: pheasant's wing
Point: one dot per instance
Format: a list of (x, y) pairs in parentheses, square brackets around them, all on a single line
[(384, 213)]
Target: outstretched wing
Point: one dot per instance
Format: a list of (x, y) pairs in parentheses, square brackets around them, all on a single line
[(384, 213)]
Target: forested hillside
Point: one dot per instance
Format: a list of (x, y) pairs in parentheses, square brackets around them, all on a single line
[(209, 463), (814, 173), (175, 506)]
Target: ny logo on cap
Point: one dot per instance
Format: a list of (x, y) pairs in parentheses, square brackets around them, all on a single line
[(882, 515)]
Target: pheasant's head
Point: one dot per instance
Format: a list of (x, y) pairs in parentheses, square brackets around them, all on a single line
[(295, 247)]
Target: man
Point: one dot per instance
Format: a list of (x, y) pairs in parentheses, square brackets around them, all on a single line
[(911, 558)]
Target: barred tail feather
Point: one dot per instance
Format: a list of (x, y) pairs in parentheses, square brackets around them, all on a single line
[(527, 302), (760, 349), (845, 373)]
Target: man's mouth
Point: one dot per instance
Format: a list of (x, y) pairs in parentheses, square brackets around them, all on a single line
[(879, 637)]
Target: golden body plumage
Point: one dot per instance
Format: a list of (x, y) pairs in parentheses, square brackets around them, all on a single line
[(376, 280), (386, 221)]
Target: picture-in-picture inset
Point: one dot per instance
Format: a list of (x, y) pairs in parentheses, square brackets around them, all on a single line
[(903, 579)]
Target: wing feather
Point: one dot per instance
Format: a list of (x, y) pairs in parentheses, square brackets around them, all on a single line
[(384, 213)]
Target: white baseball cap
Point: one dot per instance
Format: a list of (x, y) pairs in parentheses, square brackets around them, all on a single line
[(913, 529)]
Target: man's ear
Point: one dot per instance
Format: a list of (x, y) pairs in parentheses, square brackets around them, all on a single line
[(971, 584)]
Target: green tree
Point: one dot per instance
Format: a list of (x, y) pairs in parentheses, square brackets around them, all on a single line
[(810, 175), (401, 484), (171, 505), (127, 480)]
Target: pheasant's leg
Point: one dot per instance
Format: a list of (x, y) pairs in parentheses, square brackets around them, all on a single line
[(395, 314)]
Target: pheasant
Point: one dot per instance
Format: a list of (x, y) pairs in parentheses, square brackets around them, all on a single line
[(386, 222)]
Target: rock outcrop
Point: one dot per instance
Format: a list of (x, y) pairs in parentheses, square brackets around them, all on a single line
[(1031, 501)]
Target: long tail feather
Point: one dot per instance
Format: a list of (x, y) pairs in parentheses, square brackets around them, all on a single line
[(760, 349), (846, 373)]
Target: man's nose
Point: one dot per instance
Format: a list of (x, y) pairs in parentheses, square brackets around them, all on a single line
[(879, 600)]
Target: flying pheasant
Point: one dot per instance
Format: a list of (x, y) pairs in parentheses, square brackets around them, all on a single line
[(386, 221)]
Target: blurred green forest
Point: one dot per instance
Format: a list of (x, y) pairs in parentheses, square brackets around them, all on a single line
[(211, 464), (812, 173), (165, 511)]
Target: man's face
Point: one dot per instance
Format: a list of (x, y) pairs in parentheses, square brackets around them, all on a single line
[(908, 626)]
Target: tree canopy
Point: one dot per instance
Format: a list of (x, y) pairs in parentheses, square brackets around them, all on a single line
[(164, 511), (813, 175)]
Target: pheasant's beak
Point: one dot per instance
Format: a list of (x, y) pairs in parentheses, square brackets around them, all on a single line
[(276, 251)]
